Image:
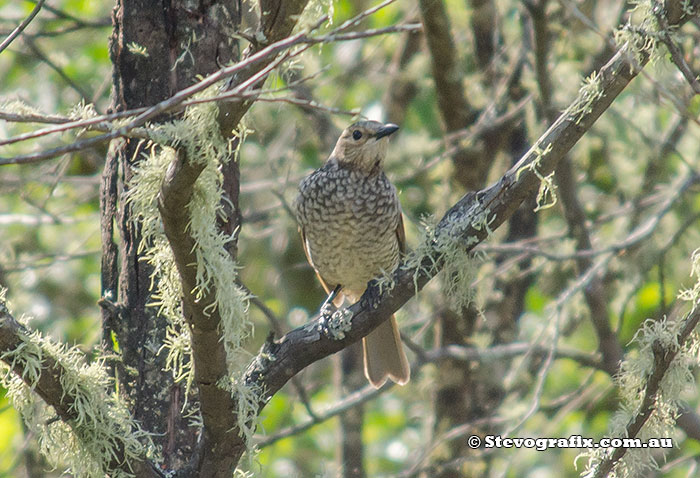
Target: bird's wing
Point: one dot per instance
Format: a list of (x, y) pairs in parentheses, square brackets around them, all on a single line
[(339, 298), (400, 235)]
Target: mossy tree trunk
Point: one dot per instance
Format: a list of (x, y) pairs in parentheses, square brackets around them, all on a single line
[(157, 49)]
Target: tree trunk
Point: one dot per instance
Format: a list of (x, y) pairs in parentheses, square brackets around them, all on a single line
[(157, 48)]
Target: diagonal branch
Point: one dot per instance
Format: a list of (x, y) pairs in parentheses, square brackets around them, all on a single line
[(468, 221), (20, 28), (49, 386), (662, 361), (677, 55)]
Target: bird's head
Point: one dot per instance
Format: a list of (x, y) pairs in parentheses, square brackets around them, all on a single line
[(363, 145)]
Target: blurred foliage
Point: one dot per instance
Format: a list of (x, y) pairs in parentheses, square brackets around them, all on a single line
[(50, 239)]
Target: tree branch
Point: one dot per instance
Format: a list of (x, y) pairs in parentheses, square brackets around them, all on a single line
[(454, 106), (49, 386), (244, 93), (457, 113), (456, 352), (20, 28), (279, 360), (677, 55), (222, 444), (662, 361)]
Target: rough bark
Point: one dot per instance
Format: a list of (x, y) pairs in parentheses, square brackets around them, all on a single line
[(222, 444), (165, 31)]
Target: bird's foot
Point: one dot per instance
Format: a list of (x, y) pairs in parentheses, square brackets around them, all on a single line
[(334, 323), (327, 310), (372, 296)]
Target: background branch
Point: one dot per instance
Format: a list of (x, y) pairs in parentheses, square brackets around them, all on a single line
[(20, 28)]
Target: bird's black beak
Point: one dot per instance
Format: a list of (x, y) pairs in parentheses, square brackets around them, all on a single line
[(386, 130)]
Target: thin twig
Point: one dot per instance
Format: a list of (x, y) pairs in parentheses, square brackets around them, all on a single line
[(276, 326), (51, 64), (67, 16), (179, 101), (676, 54), (20, 28)]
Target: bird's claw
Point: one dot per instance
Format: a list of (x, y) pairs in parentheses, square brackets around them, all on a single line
[(326, 311), (372, 297)]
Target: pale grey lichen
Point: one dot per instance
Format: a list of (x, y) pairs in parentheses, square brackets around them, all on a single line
[(693, 294), (136, 49), (248, 396), (590, 92), (547, 193), (632, 382), (186, 48), (18, 107), (447, 244), (82, 111), (199, 135), (339, 323), (642, 36), (688, 8), (101, 427)]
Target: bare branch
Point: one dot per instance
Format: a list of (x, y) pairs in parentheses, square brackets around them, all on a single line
[(98, 123), (457, 352), (333, 37), (677, 55), (454, 107), (20, 28), (38, 53), (241, 93), (358, 397), (456, 111), (58, 151), (32, 118), (78, 21), (595, 292)]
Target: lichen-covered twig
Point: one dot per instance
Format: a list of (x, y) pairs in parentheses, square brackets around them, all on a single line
[(663, 358), (100, 431)]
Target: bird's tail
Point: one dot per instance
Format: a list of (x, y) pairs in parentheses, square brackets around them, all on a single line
[(384, 355)]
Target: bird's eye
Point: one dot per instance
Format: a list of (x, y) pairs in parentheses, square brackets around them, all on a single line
[(357, 134)]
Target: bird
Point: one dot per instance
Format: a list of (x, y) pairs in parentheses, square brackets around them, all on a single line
[(352, 231)]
